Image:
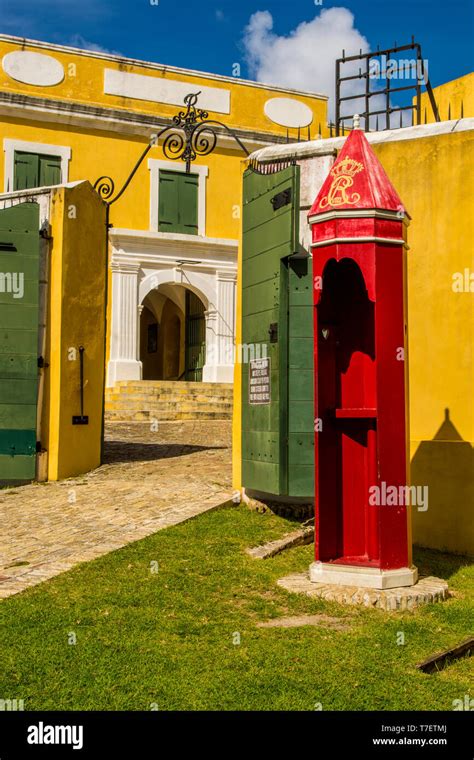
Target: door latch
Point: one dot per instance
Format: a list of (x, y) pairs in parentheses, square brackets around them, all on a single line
[(281, 199)]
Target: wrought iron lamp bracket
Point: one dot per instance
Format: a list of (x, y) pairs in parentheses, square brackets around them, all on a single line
[(192, 134)]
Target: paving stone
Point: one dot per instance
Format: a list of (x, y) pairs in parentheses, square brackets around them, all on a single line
[(272, 548), (427, 590), (143, 486)]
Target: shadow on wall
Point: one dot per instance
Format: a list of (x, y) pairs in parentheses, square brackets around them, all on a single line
[(446, 466)]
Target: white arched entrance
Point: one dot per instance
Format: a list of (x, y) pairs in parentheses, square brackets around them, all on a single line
[(147, 262)]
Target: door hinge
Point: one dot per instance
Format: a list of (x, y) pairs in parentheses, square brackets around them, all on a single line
[(273, 332), (45, 232), (42, 364)]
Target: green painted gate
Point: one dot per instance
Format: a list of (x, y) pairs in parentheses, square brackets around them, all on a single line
[(277, 337), (19, 316), (195, 338)]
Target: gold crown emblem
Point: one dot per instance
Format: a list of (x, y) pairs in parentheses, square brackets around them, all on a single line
[(348, 167)]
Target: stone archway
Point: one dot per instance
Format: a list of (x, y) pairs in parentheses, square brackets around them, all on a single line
[(213, 289), (161, 343), (134, 287)]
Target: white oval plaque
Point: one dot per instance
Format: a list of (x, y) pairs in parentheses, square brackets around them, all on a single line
[(33, 68), (288, 112)]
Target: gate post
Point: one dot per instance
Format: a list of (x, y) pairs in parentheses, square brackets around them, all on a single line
[(362, 535)]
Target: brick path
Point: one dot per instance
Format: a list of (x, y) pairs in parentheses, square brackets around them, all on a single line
[(150, 480)]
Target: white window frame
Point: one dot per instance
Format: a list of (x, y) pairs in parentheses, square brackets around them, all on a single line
[(154, 165), (10, 146)]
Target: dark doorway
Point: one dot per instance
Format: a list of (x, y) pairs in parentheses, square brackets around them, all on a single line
[(347, 404)]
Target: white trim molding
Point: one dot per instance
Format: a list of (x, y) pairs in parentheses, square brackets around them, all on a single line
[(329, 145), (159, 90), (154, 165), (394, 216), (117, 120), (124, 362), (10, 146), (366, 239)]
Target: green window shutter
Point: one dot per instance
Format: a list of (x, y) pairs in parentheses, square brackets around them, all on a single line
[(178, 202), (32, 170), (188, 203), (168, 204), (49, 170), (26, 171)]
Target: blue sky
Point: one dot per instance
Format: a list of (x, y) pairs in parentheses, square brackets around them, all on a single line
[(210, 36)]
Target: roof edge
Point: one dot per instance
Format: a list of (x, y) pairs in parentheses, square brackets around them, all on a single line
[(157, 66), (329, 145)]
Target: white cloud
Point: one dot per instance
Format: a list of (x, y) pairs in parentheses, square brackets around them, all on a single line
[(78, 41), (305, 59)]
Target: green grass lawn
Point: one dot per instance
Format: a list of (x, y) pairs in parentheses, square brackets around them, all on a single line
[(167, 638)]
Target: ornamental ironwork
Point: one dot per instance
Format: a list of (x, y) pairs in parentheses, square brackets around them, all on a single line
[(192, 134)]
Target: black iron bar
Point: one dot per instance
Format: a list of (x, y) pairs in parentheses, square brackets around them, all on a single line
[(81, 419), (378, 92), (338, 95), (387, 91), (367, 97), (81, 370), (378, 52)]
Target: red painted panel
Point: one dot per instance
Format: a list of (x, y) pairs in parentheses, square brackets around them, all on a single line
[(356, 180), (390, 347), (360, 375)]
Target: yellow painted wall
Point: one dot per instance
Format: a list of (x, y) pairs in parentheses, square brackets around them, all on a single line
[(98, 153), (457, 92), (432, 176), (76, 317)]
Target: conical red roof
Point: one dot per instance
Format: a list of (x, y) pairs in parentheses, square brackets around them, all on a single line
[(357, 180)]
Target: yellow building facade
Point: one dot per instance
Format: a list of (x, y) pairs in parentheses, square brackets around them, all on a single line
[(172, 280)]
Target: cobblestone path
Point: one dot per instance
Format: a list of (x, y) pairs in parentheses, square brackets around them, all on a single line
[(149, 481)]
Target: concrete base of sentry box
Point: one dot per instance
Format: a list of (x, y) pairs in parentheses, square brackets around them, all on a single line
[(362, 577), (425, 591)]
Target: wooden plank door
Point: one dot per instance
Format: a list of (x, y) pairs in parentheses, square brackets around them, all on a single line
[(19, 316), (195, 338), (277, 427)]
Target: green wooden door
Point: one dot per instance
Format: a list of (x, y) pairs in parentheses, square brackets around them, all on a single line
[(178, 202), (19, 307), (33, 170), (195, 338), (277, 442)]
